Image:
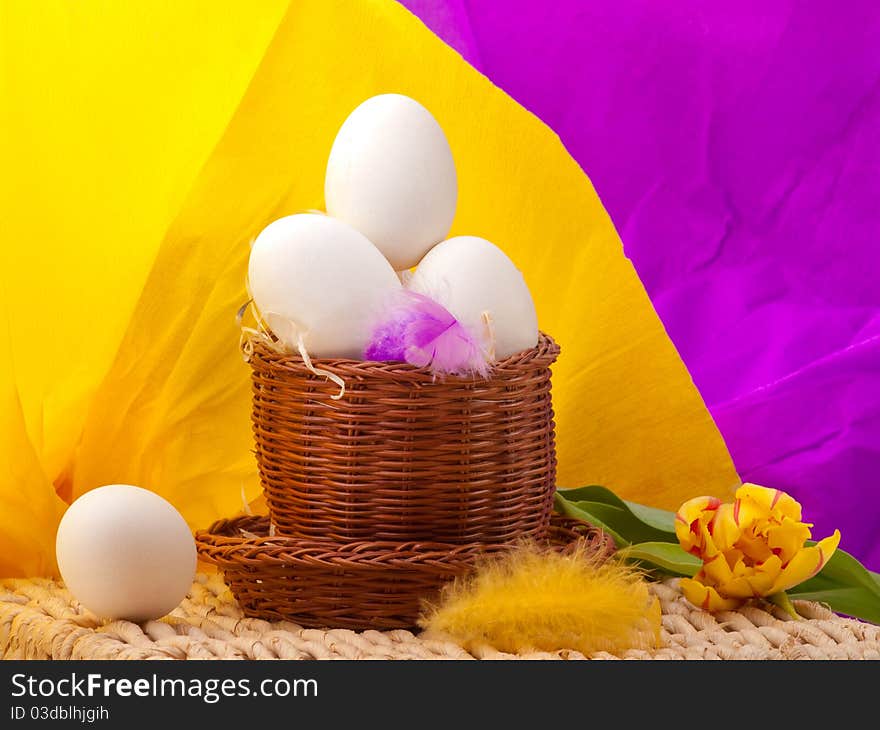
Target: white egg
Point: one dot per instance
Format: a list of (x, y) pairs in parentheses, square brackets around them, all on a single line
[(315, 276), (471, 276), (125, 553), (391, 175)]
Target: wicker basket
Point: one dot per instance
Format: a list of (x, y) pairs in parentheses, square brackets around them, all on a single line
[(361, 585), (404, 456)]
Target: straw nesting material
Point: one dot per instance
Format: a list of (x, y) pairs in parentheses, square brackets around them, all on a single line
[(40, 620)]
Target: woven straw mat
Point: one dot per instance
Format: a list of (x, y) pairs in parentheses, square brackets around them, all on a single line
[(40, 620)]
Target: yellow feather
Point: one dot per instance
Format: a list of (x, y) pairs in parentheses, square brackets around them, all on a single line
[(533, 599)]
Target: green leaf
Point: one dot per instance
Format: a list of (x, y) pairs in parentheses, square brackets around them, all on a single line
[(854, 602), (663, 556), (572, 509), (591, 493), (618, 520), (659, 519), (627, 523), (845, 586), (844, 569)]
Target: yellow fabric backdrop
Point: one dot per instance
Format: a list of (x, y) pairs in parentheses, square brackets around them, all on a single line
[(143, 146)]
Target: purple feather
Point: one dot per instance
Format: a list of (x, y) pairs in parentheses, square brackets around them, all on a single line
[(416, 329)]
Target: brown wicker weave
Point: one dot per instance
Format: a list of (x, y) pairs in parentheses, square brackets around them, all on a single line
[(403, 455), (361, 585)]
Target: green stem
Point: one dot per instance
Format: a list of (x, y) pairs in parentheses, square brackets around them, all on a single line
[(782, 600)]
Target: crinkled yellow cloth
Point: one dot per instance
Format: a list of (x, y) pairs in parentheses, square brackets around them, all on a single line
[(143, 146)]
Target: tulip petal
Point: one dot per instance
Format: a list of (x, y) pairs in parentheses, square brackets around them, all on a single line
[(747, 511), (763, 576), (690, 521), (760, 584), (754, 547), (787, 538), (725, 531), (706, 597), (746, 581), (770, 501), (694, 508), (809, 561), (708, 548), (716, 570), (738, 588), (736, 559)]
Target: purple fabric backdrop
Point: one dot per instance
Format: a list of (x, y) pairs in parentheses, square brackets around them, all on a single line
[(737, 149)]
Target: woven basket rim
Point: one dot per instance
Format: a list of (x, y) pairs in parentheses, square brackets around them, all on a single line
[(542, 354), (225, 536), (352, 585), (281, 548)]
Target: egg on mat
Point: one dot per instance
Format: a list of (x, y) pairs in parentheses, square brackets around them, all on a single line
[(125, 553), (315, 278), (391, 175), (471, 277)]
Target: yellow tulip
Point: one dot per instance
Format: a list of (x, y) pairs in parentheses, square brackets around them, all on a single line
[(751, 548)]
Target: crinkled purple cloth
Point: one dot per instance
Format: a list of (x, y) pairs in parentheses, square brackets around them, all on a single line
[(736, 147)]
